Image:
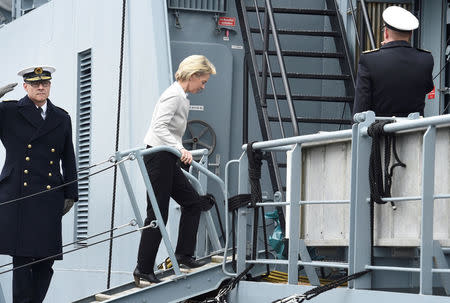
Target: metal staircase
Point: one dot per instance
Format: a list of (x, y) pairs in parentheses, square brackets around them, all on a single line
[(300, 68)]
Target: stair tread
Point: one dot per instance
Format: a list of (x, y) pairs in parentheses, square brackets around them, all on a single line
[(314, 98), (312, 120), (312, 76), (299, 11), (100, 297), (285, 31), (294, 53)]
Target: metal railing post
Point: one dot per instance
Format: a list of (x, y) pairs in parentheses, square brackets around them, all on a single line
[(351, 229), (293, 195), (241, 237), (426, 243), (361, 216), (127, 182), (159, 218), (202, 233)]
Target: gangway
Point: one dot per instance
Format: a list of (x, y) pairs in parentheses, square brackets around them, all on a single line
[(177, 283), (173, 288), (429, 266)]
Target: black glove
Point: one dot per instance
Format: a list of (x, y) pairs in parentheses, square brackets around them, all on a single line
[(6, 89), (68, 203), (207, 202)]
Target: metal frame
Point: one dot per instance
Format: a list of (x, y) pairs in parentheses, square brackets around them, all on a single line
[(359, 252), (138, 154), (259, 89)]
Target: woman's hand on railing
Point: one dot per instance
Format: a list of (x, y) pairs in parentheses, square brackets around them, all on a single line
[(186, 156)]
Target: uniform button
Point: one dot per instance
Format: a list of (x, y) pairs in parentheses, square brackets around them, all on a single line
[(26, 172), (27, 158), (29, 146), (51, 162), (53, 150), (49, 187), (25, 184), (49, 174)]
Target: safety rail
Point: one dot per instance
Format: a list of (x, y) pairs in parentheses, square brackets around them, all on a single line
[(259, 85), (359, 247), (138, 155)]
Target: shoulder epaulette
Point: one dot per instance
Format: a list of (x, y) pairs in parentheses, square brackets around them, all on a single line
[(10, 101), (62, 109), (371, 50), (424, 50)]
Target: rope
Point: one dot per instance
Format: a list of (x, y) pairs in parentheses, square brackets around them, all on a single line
[(377, 189), (76, 249), (67, 183), (131, 223), (234, 203), (119, 101), (320, 289), (220, 297)]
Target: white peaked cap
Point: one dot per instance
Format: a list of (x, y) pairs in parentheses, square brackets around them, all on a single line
[(400, 19)]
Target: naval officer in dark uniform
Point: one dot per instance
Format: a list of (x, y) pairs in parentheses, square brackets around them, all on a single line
[(37, 136), (394, 79)]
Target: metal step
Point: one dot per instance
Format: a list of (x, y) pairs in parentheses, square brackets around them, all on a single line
[(312, 120), (301, 32), (296, 11), (311, 76), (292, 53), (313, 98), (193, 282)]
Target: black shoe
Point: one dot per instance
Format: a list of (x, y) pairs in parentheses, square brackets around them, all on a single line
[(150, 277), (189, 261)]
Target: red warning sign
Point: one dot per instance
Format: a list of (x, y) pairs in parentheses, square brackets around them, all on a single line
[(432, 94), (227, 21)]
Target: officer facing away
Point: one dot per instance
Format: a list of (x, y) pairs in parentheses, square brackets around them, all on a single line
[(394, 79), (37, 136)]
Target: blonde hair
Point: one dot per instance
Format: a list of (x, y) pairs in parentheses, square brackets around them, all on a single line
[(195, 64)]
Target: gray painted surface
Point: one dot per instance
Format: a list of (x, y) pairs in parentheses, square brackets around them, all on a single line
[(433, 29), (268, 292), (78, 25), (71, 27)]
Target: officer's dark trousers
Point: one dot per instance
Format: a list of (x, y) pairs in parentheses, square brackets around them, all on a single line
[(30, 284), (168, 181)]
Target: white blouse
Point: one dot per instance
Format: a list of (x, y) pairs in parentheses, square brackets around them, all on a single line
[(169, 118)]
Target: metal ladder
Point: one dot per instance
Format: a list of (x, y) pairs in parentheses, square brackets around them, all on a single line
[(281, 112)]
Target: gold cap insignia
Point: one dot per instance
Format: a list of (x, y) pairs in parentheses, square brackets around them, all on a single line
[(38, 70)]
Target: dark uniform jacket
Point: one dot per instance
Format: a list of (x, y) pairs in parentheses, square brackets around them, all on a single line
[(36, 150), (393, 80)]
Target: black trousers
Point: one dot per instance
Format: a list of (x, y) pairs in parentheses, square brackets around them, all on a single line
[(169, 181), (30, 284)]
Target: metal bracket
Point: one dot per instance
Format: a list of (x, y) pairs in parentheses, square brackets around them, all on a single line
[(444, 90), (178, 25)]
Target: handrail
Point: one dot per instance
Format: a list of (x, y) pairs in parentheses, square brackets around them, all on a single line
[(287, 88), (257, 89), (138, 154), (360, 158)]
